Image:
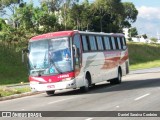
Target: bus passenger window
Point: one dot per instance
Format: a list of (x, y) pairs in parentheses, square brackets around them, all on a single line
[(99, 43), (92, 43), (107, 43), (84, 42), (113, 43), (119, 43), (124, 43), (116, 43)]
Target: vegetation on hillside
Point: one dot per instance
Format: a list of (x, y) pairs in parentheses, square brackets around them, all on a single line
[(144, 55)]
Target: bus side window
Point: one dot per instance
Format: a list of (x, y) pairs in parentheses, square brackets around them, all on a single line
[(113, 43), (124, 43), (116, 43), (92, 42), (85, 43), (106, 43), (119, 43), (99, 43)]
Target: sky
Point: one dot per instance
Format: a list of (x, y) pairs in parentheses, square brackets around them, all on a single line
[(148, 19)]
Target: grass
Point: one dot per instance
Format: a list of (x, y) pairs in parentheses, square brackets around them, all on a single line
[(5, 91), (12, 70), (143, 55), (150, 64)]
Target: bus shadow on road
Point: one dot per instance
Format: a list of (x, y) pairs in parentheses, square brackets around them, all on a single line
[(124, 86)]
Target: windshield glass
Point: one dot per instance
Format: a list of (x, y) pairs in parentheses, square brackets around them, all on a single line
[(52, 56)]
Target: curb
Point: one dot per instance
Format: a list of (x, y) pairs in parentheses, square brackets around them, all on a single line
[(19, 95)]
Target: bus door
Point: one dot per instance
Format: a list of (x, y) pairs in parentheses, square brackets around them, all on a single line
[(77, 60)]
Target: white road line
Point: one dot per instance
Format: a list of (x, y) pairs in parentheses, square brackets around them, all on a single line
[(142, 96), (117, 106), (59, 100), (89, 119)]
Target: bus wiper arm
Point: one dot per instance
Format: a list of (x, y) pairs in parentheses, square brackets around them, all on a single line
[(56, 67)]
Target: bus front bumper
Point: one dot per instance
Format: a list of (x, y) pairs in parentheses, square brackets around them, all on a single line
[(53, 86)]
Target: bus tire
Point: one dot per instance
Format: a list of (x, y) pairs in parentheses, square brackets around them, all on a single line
[(117, 80), (50, 93), (86, 87)]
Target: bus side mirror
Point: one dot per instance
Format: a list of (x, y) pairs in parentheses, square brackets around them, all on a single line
[(75, 51)]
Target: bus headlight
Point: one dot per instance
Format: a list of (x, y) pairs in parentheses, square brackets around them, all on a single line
[(34, 82), (67, 79)]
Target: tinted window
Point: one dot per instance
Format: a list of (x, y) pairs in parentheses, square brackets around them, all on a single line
[(84, 42), (92, 43), (107, 43), (116, 42), (113, 43), (119, 43), (99, 43), (123, 43), (77, 41)]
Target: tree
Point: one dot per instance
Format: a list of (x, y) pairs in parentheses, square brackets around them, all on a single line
[(36, 19), (11, 5), (78, 19), (132, 32), (3, 25), (145, 36), (107, 15), (130, 14)]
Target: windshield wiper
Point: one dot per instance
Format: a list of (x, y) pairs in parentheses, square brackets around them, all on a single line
[(56, 67)]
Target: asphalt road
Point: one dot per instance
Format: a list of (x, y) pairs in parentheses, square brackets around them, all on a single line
[(139, 91)]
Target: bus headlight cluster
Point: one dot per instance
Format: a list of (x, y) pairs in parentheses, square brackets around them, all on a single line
[(67, 79), (34, 82)]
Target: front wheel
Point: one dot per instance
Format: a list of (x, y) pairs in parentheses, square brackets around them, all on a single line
[(50, 93), (86, 87)]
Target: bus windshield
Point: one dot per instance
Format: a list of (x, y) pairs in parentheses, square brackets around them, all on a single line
[(51, 56)]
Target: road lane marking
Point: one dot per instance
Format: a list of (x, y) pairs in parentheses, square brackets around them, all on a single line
[(60, 100), (142, 96), (89, 119)]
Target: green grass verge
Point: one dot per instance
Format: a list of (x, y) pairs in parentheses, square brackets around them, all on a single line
[(146, 65), (143, 55), (12, 70), (5, 91)]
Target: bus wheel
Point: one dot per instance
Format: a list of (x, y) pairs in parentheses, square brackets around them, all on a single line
[(50, 93), (117, 80), (86, 87)]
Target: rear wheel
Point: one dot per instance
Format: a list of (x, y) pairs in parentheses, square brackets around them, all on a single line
[(117, 80), (86, 87), (50, 93)]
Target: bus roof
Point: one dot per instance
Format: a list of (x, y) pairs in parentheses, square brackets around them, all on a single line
[(101, 33), (53, 34), (70, 33)]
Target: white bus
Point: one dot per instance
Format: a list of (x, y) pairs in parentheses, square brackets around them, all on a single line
[(76, 59)]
